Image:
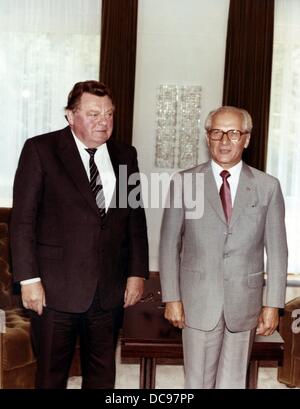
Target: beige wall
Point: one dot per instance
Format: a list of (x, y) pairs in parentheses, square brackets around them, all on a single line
[(179, 42)]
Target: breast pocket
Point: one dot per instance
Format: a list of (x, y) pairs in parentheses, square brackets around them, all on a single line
[(259, 210)]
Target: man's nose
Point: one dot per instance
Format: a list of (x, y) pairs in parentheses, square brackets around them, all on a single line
[(102, 119), (225, 139)]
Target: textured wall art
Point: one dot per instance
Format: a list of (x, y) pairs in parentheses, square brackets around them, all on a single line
[(178, 112)]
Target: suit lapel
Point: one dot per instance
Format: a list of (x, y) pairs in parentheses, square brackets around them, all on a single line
[(71, 160), (211, 191), (115, 161), (246, 194)]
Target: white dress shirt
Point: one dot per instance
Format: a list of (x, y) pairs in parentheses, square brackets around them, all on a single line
[(233, 180), (104, 165), (107, 174)]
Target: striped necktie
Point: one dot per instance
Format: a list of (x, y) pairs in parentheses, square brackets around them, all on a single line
[(95, 182)]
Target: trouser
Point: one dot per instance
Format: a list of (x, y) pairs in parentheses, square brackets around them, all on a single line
[(54, 338), (217, 358)]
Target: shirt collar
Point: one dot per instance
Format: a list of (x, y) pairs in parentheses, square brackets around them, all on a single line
[(81, 146), (234, 171)]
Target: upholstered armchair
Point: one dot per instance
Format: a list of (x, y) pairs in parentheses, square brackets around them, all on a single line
[(289, 373), (17, 360)]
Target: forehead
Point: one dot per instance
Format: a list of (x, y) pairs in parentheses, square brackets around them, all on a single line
[(228, 119), (90, 101)]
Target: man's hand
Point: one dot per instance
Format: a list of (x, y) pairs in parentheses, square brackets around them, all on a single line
[(267, 321), (134, 291), (33, 297), (174, 313)]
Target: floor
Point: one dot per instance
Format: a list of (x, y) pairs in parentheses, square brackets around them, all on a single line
[(171, 377)]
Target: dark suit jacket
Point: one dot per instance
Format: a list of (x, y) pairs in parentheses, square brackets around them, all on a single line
[(57, 233)]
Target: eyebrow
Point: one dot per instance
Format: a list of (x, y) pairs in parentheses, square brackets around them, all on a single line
[(97, 110)]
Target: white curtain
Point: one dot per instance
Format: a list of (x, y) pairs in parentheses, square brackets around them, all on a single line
[(284, 134), (45, 47)]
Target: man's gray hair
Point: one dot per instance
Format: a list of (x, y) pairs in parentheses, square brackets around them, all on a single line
[(247, 120)]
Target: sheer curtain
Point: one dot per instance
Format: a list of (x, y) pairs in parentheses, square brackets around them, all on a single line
[(284, 131), (45, 47)]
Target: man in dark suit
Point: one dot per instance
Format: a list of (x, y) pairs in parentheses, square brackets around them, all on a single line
[(77, 250)]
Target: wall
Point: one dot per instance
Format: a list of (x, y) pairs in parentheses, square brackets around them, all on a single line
[(179, 42)]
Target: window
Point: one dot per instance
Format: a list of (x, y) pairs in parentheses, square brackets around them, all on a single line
[(45, 47), (284, 132)]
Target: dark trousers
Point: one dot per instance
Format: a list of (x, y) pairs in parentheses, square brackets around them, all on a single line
[(54, 337)]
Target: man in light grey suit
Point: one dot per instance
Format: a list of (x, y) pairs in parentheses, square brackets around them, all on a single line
[(212, 268)]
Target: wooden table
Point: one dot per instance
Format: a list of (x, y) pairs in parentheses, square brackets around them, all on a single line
[(148, 337)]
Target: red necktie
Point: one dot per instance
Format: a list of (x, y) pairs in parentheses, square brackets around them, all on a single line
[(225, 195)]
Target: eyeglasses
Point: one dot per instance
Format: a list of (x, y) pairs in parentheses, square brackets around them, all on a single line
[(234, 135)]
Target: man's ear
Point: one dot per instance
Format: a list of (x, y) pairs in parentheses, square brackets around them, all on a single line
[(207, 140), (247, 141), (70, 116)]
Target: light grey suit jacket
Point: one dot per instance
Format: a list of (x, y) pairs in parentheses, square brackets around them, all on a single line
[(213, 267)]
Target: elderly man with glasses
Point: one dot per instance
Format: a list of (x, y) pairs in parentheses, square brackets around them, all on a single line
[(212, 268)]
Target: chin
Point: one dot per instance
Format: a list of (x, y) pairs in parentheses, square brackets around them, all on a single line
[(224, 160), (102, 138)]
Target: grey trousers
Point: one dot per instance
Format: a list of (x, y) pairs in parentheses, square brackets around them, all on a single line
[(217, 358)]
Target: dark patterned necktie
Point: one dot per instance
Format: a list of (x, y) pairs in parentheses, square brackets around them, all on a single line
[(96, 184), (225, 195)]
